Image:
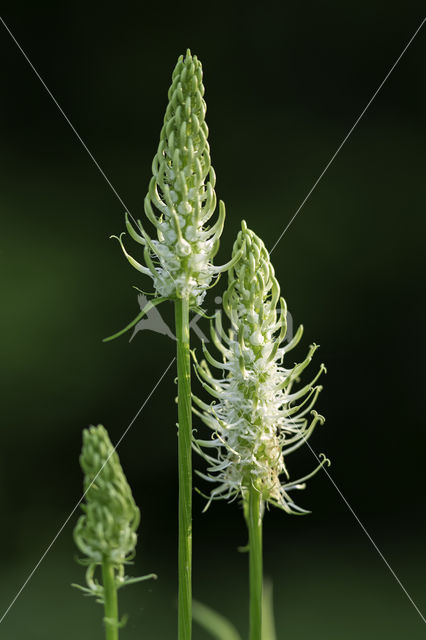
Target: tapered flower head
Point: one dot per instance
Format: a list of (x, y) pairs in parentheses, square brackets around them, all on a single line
[(181, 199), (107, 529), (257, 419)]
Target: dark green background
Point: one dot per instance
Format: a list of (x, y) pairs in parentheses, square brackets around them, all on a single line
[(284, 84)]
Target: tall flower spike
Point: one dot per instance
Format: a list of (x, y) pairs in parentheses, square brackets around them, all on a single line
[(256, 417), (106, 532), (181, 197)]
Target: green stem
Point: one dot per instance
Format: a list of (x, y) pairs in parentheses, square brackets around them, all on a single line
[(110, 601), (185, 469), (254, 521)]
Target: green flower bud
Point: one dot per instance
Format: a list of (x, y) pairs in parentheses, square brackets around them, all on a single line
[(106, 532)]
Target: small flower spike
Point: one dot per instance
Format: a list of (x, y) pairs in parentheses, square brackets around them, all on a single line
[(106, 532), (256, 417), (181, 198)]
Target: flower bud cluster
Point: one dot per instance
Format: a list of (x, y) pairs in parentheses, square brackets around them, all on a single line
[(181, 197), (256, 418), (107, 529)]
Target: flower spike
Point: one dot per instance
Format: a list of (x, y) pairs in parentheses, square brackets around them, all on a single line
[(255, 418), (181, 198), (106, 532)]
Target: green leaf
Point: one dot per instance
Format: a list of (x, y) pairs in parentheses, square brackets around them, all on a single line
[(268, 623), (219, 627), (147, 307)]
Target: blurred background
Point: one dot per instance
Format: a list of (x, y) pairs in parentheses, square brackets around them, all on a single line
[(284, 84)]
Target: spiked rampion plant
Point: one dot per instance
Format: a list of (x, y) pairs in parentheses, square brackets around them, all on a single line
[(180, 202), (106, 532), (256, 418)]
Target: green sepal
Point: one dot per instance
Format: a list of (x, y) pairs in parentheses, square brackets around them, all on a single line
[(127, 581), (86, 590)]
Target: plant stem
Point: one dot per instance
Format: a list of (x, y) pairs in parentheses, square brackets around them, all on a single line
[(110, 600), (254, 521), (185, 469)]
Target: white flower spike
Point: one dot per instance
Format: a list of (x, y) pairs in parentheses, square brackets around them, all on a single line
[(181, 197), (256, 418)]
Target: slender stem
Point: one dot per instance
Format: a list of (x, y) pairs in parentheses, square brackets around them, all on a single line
[(110, 600), (185, 469), (254, 521)]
